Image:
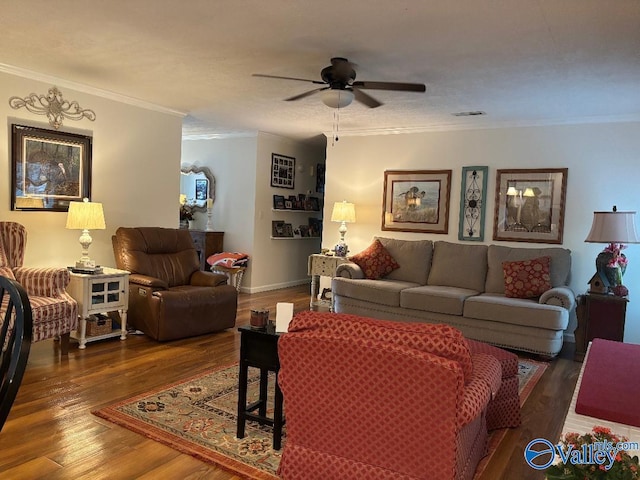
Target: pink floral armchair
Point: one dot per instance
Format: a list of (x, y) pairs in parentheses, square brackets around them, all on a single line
[(55, 312), (377, 399)]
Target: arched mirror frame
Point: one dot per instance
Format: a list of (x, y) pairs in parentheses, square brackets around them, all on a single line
[(201, 206)]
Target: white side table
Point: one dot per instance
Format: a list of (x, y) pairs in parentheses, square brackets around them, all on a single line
[(100, 293), (325, 266)]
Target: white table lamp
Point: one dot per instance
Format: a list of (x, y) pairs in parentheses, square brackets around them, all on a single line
[(85, 216), (343, 212)]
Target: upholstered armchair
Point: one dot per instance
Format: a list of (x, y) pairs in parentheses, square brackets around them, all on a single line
[(55, 312), (169, 296), (377, 399)]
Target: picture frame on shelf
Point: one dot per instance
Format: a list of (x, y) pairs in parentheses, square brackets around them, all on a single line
[(277, 228), (278, 202), (416, 201), (283, 171), (288, 230), (530, 204), (473, 202), (315, 227), (49, 168), (288, 205), (304, 230)]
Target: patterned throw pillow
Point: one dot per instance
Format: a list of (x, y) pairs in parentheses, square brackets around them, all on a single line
[(527, 278), (375, 261)]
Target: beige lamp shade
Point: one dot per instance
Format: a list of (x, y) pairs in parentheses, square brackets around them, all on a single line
[(343, 212), (85, 215), (613, 227)]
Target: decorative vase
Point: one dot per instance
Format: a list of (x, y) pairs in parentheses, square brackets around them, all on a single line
[(613, 274)]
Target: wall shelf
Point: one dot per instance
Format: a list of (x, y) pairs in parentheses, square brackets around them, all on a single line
[(295, 238)]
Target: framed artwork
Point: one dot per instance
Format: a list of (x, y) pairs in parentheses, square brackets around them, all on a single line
[(473, 202), (49, 168), (278, 202), (202, 188), (416, 201), (529, 205), (277, 228), (283, 171)]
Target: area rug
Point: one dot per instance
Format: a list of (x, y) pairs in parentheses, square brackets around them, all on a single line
[(197, 416)]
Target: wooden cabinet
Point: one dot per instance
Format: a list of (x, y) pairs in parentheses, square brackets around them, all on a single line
[(599, 316), (207, 243)]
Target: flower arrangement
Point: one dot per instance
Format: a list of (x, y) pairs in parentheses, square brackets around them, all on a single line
[(186, 212), (618, 260), (623, 466)]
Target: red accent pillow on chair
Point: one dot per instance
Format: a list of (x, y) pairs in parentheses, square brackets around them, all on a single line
[(375, 261)]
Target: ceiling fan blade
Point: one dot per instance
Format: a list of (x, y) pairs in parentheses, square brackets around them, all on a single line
[(305, 94), (287, 78), (404, 87), (368, 100)]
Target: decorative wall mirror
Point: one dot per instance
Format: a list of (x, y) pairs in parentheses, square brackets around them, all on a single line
[(197, 184)]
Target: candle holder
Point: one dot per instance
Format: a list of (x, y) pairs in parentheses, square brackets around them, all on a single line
[(209, 227)]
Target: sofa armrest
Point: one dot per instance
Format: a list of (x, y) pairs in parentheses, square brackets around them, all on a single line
[(207, 279), (146, 281), (559, 296), (43, 282), (349, 270)]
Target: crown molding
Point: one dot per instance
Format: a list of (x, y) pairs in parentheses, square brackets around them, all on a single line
[(80, 87)]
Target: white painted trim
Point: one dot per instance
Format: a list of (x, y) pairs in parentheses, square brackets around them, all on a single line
[(98, 92), (275, 286)]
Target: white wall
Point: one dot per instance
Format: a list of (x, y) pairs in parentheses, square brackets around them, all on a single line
[(244, 200), (604, 168), (135, 172)]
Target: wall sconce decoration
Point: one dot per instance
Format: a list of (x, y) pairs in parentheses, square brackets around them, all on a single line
[(53, 106)]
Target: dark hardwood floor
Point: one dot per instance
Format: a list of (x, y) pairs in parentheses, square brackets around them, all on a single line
[(51, 433)]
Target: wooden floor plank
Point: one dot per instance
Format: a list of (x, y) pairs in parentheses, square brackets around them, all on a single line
[(51, 433)]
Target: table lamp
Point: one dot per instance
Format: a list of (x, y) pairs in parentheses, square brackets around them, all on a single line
[(343, 212), (85, 216), (616, 229)]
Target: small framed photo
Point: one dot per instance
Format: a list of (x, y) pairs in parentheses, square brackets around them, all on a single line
[(49, 169), (277, 228), (529, 205), (278, 202), (304, 230), (315, 227), (288, 230), (288, 204), (283, 171)]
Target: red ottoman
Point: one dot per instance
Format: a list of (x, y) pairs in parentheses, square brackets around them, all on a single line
[(504, 410)]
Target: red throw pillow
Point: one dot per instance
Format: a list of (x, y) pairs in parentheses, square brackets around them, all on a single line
[(527, 278), (375, 261)]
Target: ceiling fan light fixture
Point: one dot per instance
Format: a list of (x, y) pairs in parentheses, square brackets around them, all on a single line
[(337, 98)]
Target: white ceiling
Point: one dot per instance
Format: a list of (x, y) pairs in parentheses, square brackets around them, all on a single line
[(523, 62)]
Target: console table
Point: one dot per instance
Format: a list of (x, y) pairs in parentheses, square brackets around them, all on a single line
[(207, 243)]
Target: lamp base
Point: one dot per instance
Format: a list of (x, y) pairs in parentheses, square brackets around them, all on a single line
[(85, 270), (341, 250)]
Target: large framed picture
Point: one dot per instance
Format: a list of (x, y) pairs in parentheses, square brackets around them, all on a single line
[(283, 171), (473, 202), (529, 205), (49, 168), (416, 201)]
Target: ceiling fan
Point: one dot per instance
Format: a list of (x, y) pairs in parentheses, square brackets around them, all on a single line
[(341, 87)]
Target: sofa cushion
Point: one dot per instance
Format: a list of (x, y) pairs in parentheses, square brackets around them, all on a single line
[(435, 298), (458, 265), (516, 311), (559, 267), (413, 256), (382, 292), (526, 278), (375, 261)]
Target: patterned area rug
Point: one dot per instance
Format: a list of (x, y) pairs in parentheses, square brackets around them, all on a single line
[(197, 416)]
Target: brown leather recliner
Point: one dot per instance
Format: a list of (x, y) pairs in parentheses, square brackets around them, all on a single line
[(169, 297)]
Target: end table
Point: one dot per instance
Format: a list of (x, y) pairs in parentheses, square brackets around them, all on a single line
[(599, 316), (259, 348), (100, 293), (325, 266)]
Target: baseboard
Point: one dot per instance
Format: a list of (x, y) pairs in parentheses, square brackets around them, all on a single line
[(275, 286)]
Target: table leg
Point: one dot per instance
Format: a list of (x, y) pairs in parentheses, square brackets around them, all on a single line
[(277, 417), (123, 324), (264, 382), (83, 333), (242, 399), (315, 289)]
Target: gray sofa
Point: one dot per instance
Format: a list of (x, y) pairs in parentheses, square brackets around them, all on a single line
[(463, 285)]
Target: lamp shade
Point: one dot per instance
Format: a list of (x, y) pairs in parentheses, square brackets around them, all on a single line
[(336, 98), (343, 212), (85, 215), (613, 227)]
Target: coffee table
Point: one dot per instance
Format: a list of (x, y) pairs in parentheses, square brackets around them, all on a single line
[(259, 349)]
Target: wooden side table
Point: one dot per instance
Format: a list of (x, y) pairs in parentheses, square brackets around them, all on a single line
[(325, 266), (259, 348), (207, 243), (599, 316), (100, 293)]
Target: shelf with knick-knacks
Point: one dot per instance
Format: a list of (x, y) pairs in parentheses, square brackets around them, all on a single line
[(292, 203), (281, 230)]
